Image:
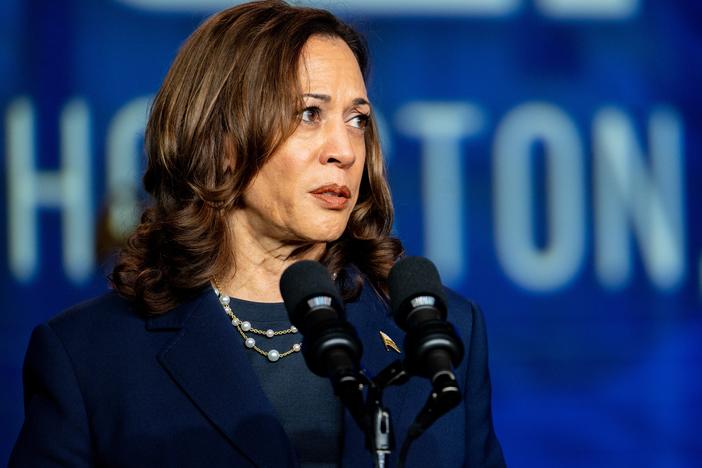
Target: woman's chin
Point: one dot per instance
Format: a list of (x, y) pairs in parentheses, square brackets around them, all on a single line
[(327, 227), (329, 236), (324, 233)]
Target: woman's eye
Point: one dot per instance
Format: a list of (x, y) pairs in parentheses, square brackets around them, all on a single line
[(310, 114), (359, 121)]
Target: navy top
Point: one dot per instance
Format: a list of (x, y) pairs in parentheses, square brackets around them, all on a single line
[(312, 424)]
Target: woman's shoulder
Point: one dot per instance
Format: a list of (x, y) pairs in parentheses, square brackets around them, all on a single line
[(460, 307), (463, 313), (111, 316), (456, 299), (106, 312)]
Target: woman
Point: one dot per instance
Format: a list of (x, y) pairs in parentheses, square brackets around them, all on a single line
[(262, 150)]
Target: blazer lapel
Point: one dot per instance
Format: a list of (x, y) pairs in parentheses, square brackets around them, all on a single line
[(207, 361)]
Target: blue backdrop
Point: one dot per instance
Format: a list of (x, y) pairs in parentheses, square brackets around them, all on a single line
[(545, 153)]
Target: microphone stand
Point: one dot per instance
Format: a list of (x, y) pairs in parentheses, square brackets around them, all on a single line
[(372, 416), (380, 438)]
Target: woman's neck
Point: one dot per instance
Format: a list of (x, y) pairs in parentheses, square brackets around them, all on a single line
[(259, 262)]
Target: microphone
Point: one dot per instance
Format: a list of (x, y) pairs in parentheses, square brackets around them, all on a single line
[(432, 346), (418, 305), (332, 349), (330, 345)]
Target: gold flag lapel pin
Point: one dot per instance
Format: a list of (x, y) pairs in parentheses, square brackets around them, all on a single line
[(388, 342)]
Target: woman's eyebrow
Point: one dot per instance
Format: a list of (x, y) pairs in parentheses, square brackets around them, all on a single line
[(321, 97), (327, 98)]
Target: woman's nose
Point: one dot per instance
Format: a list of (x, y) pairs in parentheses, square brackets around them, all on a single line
[(338, 146)]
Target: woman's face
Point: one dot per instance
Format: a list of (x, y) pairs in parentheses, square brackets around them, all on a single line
[(307, 189)]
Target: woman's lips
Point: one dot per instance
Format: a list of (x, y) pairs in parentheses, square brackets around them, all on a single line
[(332, 196)]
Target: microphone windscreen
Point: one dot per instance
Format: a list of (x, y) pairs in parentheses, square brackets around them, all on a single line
[(304, 280), (411, 277)]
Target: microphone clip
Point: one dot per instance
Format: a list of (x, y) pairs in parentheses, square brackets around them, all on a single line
[(380, 438)]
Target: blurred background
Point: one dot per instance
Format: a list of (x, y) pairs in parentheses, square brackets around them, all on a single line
[(544, 153)]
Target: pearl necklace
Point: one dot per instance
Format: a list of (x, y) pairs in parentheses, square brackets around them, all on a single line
[(244, 327)]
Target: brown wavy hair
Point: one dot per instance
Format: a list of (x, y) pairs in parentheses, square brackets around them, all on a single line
[(229, 100)]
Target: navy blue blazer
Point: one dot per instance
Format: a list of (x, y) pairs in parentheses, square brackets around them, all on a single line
[(106, 386)]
